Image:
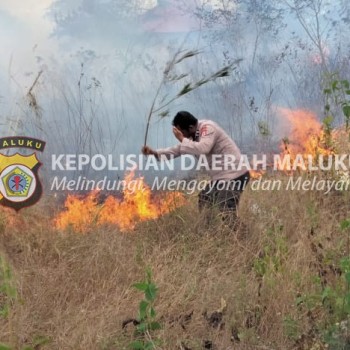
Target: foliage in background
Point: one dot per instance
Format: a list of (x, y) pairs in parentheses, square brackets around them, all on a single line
[(337, 93)]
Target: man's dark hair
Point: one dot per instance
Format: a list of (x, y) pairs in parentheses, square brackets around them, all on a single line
[(184, 119)]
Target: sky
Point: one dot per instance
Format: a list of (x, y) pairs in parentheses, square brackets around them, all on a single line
[(24, 28)]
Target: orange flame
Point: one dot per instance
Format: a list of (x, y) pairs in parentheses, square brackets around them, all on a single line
[(307, 136), (80, 212), (137, 205), (256, 174)]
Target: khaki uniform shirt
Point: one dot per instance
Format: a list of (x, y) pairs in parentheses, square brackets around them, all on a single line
[(221, 153)]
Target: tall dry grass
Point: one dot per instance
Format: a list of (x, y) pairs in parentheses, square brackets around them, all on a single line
[(76, 289)]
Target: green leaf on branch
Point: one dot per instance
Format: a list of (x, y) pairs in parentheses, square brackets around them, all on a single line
[(327, 121), (187, 54), (143, 309), (4, 311), (140, 286), (345, 265), (224, 72), (149, 346), (345, 224), (326, 293), (186, 89), (142, 327), (151, 292), (135, 345), (152, 312), (155, 326), (346, 84), (147, 314), (164, 114), (346, 111), (335, 85)]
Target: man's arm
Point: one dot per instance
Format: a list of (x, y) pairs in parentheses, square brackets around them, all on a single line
[(187, 146), (170, 152)]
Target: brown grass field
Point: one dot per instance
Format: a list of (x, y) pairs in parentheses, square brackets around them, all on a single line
[(278, 272)]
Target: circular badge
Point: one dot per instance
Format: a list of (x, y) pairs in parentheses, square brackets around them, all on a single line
[(17, 183)]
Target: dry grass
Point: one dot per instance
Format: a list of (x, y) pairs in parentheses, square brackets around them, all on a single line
[(77, 290)]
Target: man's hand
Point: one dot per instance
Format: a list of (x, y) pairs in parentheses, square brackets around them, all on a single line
[(178, 134), (149, 151)]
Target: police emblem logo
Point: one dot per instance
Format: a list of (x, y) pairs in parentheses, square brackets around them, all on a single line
[(206, 130), (20, 185)]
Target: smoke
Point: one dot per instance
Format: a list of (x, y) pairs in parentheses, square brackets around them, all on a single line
[(102, 62)]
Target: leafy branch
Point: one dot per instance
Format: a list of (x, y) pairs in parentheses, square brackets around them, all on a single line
[(146, 323), (188, 87), (337, 93)]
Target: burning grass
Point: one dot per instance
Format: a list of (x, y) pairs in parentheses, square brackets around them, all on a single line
[(76, 290), (306, 142), (138, 204), (306, 136), (274, 281)]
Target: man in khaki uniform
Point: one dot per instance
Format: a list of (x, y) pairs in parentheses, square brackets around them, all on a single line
[(206, 138)]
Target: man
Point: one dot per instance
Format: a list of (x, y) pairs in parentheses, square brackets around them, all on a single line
[(206, 138)]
